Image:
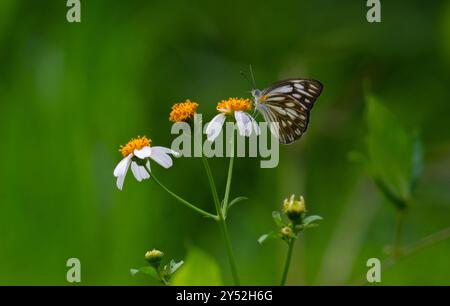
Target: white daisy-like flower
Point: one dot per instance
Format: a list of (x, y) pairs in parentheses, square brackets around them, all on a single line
[(137, 153), (238, 107)]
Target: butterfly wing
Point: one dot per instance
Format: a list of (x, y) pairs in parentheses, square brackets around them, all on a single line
[(286, 106)]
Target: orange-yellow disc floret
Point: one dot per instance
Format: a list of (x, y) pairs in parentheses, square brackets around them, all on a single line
[(234, 104), (183, 111), (135, 143)]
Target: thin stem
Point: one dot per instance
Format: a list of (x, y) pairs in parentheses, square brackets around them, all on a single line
[(396, 251), (427, 241), (181, 200), (212, 185), (414, 248), (161, 276), (419, 245), (228, 186), (231, 258), (221, 221), (288, 261)]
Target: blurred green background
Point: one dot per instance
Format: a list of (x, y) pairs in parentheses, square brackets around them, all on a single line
[(70, 94)]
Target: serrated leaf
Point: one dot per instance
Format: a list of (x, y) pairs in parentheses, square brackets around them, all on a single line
[(150, 271), (200, 269), (264, 237), (311, 219), (277, 218)]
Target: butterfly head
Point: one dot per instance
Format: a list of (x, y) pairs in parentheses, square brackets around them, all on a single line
[(256, 93), (258, 96)]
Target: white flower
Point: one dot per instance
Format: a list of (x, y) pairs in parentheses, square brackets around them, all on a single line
[(246, 124), (140, 149)]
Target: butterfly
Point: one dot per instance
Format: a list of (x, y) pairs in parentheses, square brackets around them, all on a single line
[(286, 105)]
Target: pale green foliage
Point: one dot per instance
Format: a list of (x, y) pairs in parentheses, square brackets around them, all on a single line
[(200, 270), (394, 154)]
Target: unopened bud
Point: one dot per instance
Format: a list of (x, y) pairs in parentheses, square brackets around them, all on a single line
[(286, 232), (294, 208), (154, 257)]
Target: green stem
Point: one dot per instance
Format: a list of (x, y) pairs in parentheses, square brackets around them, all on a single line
[(181, 200), (221, 221), (427, 241), (231, 259), (411, 249), (212, 185), (228, 186), (288, 261), (161, 276), (419, 245), (398, 234)]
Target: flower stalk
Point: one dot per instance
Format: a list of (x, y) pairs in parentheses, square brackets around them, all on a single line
[(183, 201), (221, 221), (229, 177), (294, 212), (288, 261)]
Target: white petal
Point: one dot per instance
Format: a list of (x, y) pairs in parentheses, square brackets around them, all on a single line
[(143, 153), (136, 171), (144, 173), (139, 171), (244, 123), (161, 156), (122, 168), (119, 182), (167, 150), (214, 127), (255, 126)]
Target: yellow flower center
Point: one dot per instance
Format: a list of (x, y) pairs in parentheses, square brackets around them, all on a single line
[(234, 104), (154, 254), (135, 143), (293, 208), (183, 111)]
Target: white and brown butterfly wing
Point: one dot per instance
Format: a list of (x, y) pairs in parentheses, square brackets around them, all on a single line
[(286, 106)]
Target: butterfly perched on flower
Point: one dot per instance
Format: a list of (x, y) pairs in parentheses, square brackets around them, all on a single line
[(286, 106)]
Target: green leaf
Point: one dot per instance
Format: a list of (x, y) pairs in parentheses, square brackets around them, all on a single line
[(311, 225), (174, 266), (311, 219), (264, 237), (277, 218), (236, 200), (200, 269), (150, 271), (393, 154)]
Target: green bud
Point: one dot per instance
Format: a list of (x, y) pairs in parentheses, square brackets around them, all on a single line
[(286, 232), (294, 209), (154, 257)]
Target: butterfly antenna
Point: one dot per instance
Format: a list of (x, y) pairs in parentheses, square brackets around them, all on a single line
[(254, 87), (252, 83), (246, 77), (253, 76)]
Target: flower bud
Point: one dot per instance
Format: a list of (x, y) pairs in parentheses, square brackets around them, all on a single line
[(286, 232), (294, 209), (154, 257)]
